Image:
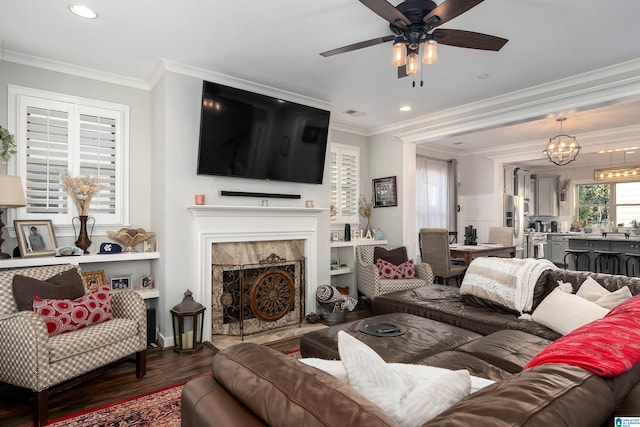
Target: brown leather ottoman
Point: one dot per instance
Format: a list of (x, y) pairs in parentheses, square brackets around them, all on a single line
[(423, 337)]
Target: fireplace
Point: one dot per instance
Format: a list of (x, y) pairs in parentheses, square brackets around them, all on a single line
[(221, 233)]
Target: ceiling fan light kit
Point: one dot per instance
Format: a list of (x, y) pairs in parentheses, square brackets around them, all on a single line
[(562, 149), (416, 36)]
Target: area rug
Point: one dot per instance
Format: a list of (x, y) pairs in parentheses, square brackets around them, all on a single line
[(157, 408)]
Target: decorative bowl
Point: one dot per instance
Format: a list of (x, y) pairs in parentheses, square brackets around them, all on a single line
[(130, 237)]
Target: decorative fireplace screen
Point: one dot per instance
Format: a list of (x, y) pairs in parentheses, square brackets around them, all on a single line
[(252, 298)]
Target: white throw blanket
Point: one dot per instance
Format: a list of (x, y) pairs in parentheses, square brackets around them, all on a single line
[(506, 281)]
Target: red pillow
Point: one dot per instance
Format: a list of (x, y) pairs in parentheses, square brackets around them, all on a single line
[(390, 271), (64, 315)]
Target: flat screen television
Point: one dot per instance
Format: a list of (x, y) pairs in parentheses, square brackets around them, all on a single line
[(248, 135)]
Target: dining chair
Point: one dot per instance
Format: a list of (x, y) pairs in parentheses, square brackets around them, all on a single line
[(435, 251), (501, 235)]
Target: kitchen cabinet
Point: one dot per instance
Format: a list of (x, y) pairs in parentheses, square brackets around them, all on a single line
[(546, 203), (522, 183), (509, 180), (556, 247)]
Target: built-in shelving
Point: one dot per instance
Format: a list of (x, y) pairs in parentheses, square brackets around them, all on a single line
[(77, 260)]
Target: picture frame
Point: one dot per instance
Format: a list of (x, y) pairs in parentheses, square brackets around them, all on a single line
[(93, 280), (35, 238), (120, 282), (385, 192), (146, 282)]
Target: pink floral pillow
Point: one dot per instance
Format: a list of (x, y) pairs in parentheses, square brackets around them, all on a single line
[(64, 315), (387, 270)]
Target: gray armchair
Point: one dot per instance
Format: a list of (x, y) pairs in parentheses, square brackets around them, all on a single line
[(368, 278), (32, 359)]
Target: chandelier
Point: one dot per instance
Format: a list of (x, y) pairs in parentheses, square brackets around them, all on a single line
[(562, 149)]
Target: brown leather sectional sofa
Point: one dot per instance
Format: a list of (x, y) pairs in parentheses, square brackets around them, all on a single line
[(254, 385)]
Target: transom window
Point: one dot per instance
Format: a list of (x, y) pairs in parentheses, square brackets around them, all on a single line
[(57, 132)]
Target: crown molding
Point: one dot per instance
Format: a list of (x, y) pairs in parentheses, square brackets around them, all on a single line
[(595, 88), (74, 70)]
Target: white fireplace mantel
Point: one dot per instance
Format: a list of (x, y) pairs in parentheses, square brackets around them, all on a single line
[(222, 223)]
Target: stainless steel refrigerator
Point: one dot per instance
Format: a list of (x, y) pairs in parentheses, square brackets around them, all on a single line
[(514, 217)]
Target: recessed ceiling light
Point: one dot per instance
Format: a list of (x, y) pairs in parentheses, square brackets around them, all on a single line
[(458, 143), (83, 11), (405, 108), (483, 76)]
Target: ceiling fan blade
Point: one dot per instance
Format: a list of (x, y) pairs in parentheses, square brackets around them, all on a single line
[(357, 46), (387, 11), (402, 71), (447, 10), (468, 39)]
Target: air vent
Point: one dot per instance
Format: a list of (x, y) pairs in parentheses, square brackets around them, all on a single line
[(355, 113)]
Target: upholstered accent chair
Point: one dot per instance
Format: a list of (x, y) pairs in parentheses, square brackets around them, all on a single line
[(368, 278), (501, 235), (435, 251), (44, 364)]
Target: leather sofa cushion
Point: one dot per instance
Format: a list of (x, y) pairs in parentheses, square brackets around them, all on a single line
[(458, 360), (65, 285), (282, 391), (444, 304), (550, 395), (509, 350)]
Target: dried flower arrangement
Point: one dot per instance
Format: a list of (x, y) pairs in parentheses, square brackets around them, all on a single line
[(81, 189), (365, 208)]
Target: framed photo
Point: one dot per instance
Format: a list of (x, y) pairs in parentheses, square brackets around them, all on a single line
[(120, 282), (146, 282), (93, 280), (35, 238), (385, 192)]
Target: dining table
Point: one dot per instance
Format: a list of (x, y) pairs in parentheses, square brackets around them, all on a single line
[(468, 252)]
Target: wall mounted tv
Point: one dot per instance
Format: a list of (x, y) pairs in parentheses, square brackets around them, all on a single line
[(247, 135)]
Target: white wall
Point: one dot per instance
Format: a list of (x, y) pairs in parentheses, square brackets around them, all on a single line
[(177, 100)]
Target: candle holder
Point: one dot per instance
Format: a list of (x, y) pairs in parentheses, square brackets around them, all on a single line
[(187, 325)]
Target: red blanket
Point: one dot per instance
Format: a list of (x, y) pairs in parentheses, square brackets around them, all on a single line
[(607, 347)]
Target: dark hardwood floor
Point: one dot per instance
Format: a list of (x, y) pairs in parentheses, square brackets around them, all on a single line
[(164, 368)]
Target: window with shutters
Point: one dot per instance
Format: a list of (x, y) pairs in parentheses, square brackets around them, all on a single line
[(56, 132), (345, 183)]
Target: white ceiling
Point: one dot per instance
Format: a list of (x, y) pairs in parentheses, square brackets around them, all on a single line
[(277, 44)]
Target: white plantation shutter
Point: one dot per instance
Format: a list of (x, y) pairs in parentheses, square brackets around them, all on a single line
[(345, 185), (97, 154), (47, 148), (86, 137)]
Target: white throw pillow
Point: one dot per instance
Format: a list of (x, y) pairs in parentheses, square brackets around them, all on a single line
[(564, 312), (409, 400), (336, 368), (595, 292)]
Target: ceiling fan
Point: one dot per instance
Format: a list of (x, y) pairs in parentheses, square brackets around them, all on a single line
[(414, 26)]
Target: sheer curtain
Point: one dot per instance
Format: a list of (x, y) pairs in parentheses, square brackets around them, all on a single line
[(436, 193)]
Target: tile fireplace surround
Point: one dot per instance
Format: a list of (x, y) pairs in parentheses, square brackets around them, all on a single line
[(236, 224)]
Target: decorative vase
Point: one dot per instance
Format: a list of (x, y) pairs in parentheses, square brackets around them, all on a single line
[(84, 236), (368, 232)]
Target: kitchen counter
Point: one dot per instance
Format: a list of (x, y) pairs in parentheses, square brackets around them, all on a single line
[(610, 237)]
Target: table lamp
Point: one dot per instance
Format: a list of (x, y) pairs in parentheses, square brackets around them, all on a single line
[(11, 196)]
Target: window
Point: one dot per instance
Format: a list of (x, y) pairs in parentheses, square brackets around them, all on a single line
[(345, 183), (55, 132), (595, 203)]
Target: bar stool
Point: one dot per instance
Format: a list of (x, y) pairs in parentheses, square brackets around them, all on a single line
[(575, 255), (632, 260), (607, 262)]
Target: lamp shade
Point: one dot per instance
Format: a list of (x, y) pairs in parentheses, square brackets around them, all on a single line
[(11, 192)]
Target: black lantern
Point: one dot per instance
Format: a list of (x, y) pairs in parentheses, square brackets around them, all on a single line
[(187, 325)]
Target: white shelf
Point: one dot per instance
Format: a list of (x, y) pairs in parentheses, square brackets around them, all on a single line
[(360, 242), (339, 271), (148, 293), (77, 260)]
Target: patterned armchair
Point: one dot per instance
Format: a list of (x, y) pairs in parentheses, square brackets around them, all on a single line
[(368, 278), (30, 358)]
